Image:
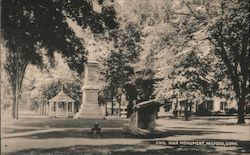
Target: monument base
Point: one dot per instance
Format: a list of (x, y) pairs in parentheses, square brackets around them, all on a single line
[(90, 111)]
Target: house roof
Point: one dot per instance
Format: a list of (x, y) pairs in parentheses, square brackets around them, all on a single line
[(61, 96)]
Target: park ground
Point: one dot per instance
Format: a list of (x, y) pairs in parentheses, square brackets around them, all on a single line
[(35, 134)]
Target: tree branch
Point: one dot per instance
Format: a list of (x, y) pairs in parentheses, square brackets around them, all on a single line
[(190, 10), (204, 3), (230, 67)]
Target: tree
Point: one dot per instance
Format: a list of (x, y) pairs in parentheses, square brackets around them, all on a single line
[(220, 30), (230, 36), (228, 31), (143, 15), (31, 25), (144, 78), (112, 77), (194, 78), (161, 41), (43, 84), (116, 68), (6, 95), (15, 67), (116, 74)]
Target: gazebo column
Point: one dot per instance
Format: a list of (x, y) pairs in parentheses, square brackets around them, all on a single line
[(67, 109), (46, 109), (50, 107), (73, 107), (54, 108), (57, 109)]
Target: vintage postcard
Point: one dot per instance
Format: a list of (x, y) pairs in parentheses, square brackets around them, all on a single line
[(125, 77)]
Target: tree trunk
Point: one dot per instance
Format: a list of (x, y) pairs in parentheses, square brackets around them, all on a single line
[(43, 109), (241, 111), (13, 108), (106, 110), (119, 105), (156, 114), (119, 109), (16, 98), (16, 111), (112, 107)]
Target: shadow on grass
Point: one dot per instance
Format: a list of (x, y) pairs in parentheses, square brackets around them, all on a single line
[(221, 124), (117, 150), (118, 133), (14, 130), (241, 147), (244, 147), (189, 128), (69, 123), (143, 148)]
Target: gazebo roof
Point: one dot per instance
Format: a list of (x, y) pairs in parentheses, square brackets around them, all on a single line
[(61, 96)]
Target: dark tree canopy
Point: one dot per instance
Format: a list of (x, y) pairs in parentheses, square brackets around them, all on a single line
[(34, 24)]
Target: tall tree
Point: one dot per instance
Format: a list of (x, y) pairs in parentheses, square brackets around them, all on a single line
[(227, 27), (149, 22), (230, 36), (116, 68), (144, 78), (15, 67)]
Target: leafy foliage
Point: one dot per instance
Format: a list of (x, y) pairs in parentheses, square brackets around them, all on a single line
[(116, 68), (226, 26), (230, 35), (34, 24)]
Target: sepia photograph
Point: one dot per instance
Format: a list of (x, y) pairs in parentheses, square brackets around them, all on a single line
[(125, 77)]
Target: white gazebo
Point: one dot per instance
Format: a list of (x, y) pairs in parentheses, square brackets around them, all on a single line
[(61, 105)]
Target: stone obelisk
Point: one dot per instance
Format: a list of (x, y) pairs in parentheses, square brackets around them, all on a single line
[(90, 108)]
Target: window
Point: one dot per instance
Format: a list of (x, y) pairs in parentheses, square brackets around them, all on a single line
[(210, 105), (222, 105)]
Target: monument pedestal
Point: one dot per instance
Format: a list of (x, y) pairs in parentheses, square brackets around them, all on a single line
[(90, 108), (91, 112)]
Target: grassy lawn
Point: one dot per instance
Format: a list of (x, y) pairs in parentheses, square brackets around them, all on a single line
[(68, 123), (73, 136), (122, 133)]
